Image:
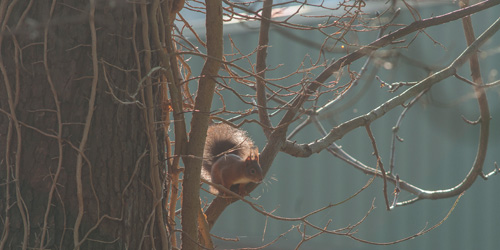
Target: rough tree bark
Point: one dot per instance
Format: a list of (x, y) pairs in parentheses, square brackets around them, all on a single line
[(51, 53)]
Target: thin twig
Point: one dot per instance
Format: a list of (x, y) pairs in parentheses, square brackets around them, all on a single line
[(379, 164), (424, 231), (396, 127)]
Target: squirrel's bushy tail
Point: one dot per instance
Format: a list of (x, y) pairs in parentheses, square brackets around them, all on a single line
[(223, 139)]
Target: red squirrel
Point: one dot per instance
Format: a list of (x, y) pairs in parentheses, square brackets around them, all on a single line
[(230, 158)]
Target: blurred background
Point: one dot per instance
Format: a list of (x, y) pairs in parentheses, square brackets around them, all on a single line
[(437, 152)]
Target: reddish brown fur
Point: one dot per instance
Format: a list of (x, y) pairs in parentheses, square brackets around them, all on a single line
[(230, 158)]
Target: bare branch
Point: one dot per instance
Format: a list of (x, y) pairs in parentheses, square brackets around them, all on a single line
[(494, 172), (383, 41), (304, 150), (424, 231), (395, 130), (199, 125), (261, 65), (379, 164)]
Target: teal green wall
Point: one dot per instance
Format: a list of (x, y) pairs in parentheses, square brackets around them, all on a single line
[(437, 152)]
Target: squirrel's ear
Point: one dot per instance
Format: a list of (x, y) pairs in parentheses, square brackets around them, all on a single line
[(250, 157), (255, 152), (254, 155)]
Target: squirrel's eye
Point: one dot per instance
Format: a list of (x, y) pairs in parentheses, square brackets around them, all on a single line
[(252, 171)]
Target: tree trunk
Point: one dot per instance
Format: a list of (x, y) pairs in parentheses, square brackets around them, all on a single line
[(49, 63)]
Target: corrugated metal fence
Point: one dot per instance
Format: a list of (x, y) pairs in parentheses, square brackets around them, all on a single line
[(437, 152)]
